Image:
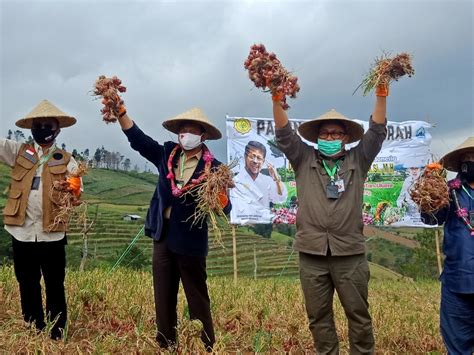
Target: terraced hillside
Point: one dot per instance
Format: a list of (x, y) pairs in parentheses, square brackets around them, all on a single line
[(112, 234), (256, 256), (117, 193)]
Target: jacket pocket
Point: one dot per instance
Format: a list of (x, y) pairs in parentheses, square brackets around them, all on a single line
[(58, 169), (25, 163), (13, 203), (19, 172)]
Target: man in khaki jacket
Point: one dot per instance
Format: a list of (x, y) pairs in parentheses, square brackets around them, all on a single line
[(38, 246), (329, 238)]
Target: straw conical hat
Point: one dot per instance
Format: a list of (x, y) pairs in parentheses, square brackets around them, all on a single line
[(310, 130), (195, 115), (46, 109), (452, 160)]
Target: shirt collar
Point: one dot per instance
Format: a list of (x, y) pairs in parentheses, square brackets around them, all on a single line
[(197, 156), (39, 149)]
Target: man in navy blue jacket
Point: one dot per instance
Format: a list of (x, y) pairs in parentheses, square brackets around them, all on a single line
[(179, 247), (457, 279)]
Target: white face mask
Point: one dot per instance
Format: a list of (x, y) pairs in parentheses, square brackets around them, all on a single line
[(189, 141)]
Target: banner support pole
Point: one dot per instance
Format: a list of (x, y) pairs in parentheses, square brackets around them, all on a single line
[(438, 251), (254, 261), (234, 252)]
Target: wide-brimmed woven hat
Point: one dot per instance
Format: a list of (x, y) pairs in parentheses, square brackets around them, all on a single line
[(310, 130), (452, 160), (46, 109), (195, 115)]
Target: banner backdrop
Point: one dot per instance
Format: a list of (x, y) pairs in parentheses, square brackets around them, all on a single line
[(265, 189)]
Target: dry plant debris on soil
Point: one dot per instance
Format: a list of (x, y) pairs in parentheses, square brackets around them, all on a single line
[(114, 313)]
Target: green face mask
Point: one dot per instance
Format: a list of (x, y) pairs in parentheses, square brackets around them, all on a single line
[(329, 148)]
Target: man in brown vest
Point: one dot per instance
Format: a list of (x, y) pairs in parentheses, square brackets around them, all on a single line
[(38, 247)]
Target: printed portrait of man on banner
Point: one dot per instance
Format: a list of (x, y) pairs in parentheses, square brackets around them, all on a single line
[(264, 182)]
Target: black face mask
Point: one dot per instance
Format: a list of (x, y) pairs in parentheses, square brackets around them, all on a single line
[(467, 171), (44, 135)]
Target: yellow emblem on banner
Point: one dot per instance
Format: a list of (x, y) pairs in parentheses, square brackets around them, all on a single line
[(242, 125)]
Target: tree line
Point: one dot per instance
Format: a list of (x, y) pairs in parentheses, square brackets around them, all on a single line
[(102, 158)]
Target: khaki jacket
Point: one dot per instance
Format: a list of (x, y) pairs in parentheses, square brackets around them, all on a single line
[(323, 223), (23, 172)]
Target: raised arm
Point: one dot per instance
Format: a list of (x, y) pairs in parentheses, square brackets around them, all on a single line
[(125, 121), (139, 141), (380, 109), (279, 114), (371, 143), (8, 151), (288, 141)]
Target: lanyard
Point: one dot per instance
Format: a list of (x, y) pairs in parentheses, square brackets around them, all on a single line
[(331, 172), (182, 161), (45, 157), (465, 190)]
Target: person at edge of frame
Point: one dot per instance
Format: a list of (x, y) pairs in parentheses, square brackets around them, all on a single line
[(457, 278), (30, 211)]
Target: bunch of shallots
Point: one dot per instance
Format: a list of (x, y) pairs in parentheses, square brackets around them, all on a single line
[(266, 72), (385, 70), (208, 196), (430, 191), (65, 199), (108, 89)]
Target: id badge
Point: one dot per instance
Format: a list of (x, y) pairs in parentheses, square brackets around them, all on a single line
[(340, 185), (471, 218), (35, 183), (332, 191)]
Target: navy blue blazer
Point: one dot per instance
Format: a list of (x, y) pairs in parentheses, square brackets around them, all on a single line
[(183, 237)]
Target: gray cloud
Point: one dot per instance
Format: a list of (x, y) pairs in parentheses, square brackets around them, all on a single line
[(176, 55)]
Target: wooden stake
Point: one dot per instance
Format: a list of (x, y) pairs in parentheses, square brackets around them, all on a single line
[(234, 253), (254, 262), (438, 251)]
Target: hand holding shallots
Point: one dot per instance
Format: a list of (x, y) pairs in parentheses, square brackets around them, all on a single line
[(430, 191), (211, 197), (108, 89), (266, 72), (384, 71), (65, 195)]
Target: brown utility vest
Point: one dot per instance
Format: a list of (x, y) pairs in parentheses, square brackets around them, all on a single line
[(23, 172)]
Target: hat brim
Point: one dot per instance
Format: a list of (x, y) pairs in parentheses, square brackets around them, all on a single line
[(64, 121), (452, 160), (310, 130), (174, 125)]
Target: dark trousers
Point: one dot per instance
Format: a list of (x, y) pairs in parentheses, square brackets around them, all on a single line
[(168, 269), (30, 261), (457, 321), (349, 276)]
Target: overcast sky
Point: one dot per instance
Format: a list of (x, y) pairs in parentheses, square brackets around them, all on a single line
[(175, 55)]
